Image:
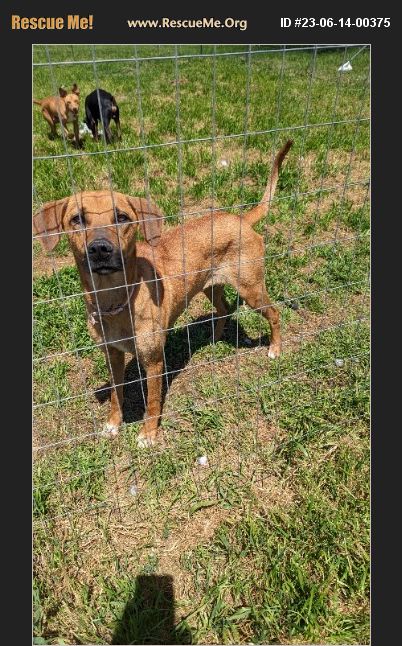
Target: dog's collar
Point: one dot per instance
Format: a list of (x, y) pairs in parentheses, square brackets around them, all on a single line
[(112, 311)]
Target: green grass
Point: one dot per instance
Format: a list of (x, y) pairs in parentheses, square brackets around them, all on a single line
[(269, 543)]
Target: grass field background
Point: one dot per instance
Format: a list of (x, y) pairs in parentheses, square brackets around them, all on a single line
[(269, 543)]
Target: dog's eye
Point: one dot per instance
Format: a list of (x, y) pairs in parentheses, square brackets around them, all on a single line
[(122, 217), (78, 219)]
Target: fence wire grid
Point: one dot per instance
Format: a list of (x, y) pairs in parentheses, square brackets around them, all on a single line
[(201, 126)]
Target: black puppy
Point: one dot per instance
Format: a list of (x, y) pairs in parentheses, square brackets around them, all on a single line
[(108, 110)]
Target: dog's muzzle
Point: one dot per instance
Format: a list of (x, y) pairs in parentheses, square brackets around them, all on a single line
[(103, 257)]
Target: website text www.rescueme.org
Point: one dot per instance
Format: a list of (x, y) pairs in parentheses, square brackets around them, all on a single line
[(188, 23)]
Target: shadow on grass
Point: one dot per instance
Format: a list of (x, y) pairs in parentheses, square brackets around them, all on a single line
[(149, 617), (177, 355)]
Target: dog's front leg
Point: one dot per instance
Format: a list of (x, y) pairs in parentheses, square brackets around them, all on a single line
[(65, 129), (116, 367), (76, 132), (149, 432)]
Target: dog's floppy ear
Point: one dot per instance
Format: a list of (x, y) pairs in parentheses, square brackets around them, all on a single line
[(48, 220), (62, 92), (150, 218), (75, 89)]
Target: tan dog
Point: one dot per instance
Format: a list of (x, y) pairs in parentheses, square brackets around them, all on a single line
[(130, 310), (62, 109)]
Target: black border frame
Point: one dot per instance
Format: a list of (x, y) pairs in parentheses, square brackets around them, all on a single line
[(16, 254)]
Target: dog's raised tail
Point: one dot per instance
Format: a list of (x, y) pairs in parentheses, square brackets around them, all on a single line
[(259, 211)]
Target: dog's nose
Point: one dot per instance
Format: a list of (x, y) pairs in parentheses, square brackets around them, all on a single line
[(100, 249)]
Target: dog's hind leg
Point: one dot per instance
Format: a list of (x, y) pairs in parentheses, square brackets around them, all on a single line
[(94, 128), (50, 121), (256, 297), (217, 298), (116, 117), (91, 122), (106, 116), (250, 284)]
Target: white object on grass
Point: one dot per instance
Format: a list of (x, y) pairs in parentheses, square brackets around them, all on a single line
[(84, 130), (224, 162), (339, 362), (202, 460), (144, 442), (134, 490), (110, 430), (346, 67)]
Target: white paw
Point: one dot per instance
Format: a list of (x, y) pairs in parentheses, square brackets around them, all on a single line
[(273, 352), (110, 430), (145, 442)]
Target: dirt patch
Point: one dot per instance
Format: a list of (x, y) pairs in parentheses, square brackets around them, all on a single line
[(46, 264), (197, 531), (271, 493), (135, 528), (341, 168), (311, 324)]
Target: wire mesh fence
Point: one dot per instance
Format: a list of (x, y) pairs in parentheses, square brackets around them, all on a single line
[(201, 127)]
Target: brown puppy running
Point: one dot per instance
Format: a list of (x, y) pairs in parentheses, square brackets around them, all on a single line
[(63, 108), (135, 291)]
